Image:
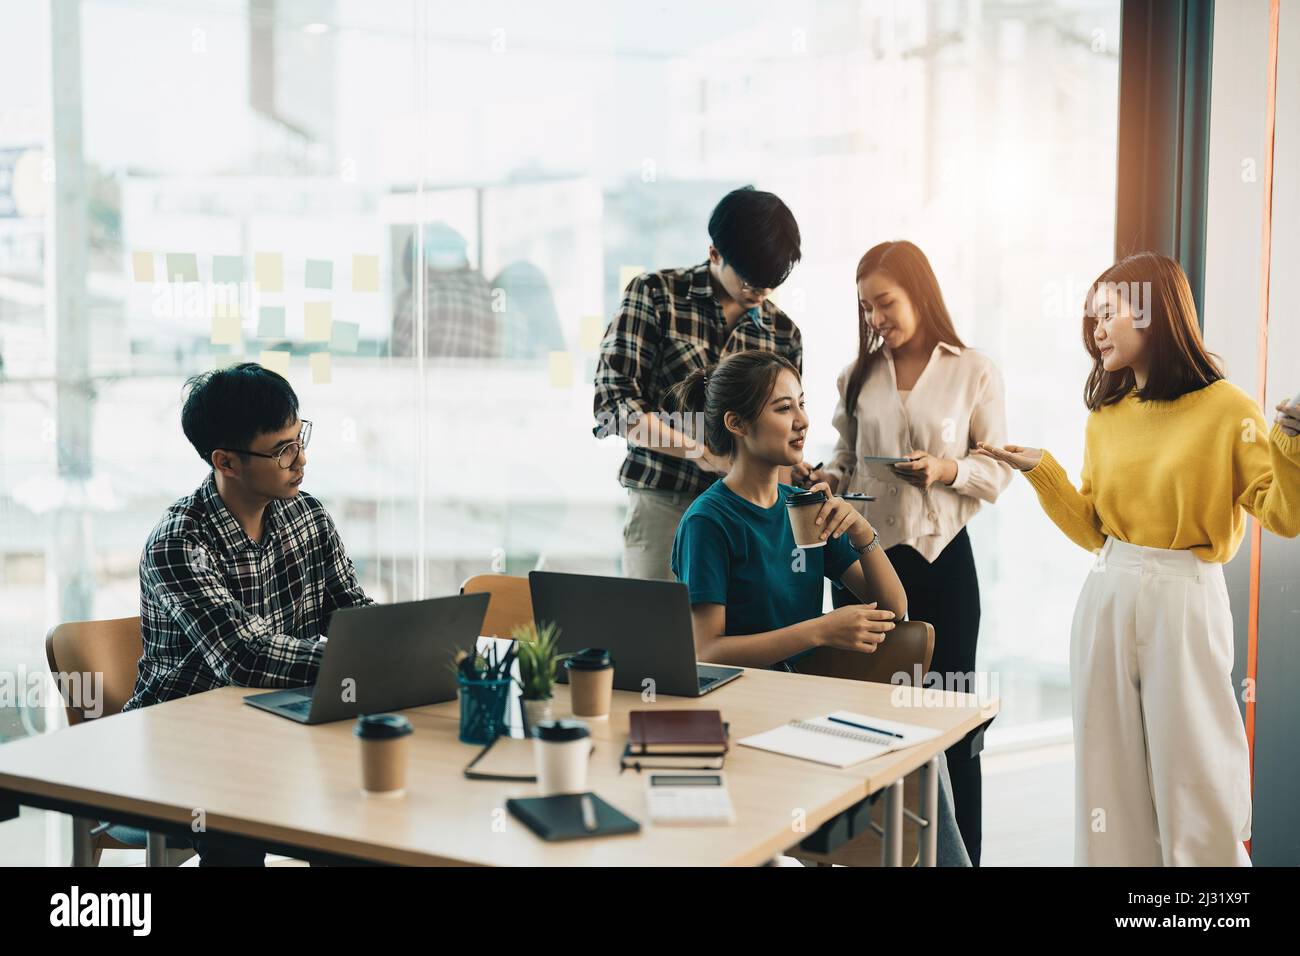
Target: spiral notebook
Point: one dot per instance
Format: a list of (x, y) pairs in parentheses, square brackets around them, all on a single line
[(840, 739)]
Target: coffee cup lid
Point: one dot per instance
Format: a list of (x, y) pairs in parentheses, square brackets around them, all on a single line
[(589, 659), (561, 730), (805, 498), (381, 726)]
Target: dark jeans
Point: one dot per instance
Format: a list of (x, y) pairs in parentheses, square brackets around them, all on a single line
[(946, 594), (217, 851)]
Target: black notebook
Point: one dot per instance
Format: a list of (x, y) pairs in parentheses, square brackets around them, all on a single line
[(561, 817)]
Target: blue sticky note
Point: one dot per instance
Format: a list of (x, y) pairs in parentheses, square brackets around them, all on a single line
[(182, 266), (270, 322), (343, 337), (227, 269), (320, 274)]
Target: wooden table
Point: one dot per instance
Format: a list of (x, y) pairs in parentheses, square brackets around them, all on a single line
[(295, 789)]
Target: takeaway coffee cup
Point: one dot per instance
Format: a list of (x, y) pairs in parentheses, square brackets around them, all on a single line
[(385, 742), (591, 682), (560, 752), (802, 507)]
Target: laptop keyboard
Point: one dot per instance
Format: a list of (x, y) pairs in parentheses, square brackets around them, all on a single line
[(297, 706), (708, 681)]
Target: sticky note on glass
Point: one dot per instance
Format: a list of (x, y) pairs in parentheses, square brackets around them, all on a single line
[(626, 274), (142, 266), (320, 367), (593, 327), (320, 274), (227, 269), (276, 360), (225, 307), (225, 330), (268, 271), (589, 368), (344, 337), (317, 322), (270, 322), (182, 267), (365, 273), (561, 370)]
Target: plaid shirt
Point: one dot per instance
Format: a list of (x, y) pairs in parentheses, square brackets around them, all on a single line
[(458, 317), (218, 609), (671, 323)]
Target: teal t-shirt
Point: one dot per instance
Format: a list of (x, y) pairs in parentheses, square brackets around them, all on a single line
[(730, 551)]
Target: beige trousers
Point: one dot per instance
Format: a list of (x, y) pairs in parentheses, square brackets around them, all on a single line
[(648, 532)]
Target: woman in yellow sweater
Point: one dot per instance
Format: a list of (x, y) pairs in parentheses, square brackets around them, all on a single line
[(1174, 457)]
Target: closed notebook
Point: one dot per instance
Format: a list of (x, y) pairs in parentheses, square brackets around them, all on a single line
[(676, 732), (561, 817), (826, 741), (664, 761)]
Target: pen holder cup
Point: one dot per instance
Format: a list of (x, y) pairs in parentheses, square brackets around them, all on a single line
[(483, 710)]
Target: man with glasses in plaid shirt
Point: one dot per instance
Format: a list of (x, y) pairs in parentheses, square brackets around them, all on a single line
[(238, 581), (670, 323)]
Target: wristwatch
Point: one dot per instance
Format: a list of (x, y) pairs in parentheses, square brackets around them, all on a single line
[(870, 546)]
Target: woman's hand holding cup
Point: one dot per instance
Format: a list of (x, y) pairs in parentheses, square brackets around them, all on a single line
[(836, 517)]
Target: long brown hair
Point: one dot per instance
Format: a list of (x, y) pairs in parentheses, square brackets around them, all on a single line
[(742, 383), (1179, 361), (907, 265)]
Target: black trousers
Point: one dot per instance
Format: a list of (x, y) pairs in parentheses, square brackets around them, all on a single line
[(946, 593)]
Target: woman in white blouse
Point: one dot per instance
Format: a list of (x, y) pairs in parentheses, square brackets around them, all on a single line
[(916, 391)]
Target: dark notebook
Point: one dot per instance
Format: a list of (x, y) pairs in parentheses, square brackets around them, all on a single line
[(676, 732), (560, 817)]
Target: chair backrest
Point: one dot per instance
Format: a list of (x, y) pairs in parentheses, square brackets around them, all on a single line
[(109, 648), (909, 644), (510, 602)]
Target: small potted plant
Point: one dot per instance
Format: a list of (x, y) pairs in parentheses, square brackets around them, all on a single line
[(483, 680), (538, 657)]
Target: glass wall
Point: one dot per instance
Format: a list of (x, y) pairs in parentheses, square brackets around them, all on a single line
[(325, 186)]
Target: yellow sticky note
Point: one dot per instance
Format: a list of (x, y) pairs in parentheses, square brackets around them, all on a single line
[(276, 360), (626, 274), (268, 271), (320, 367), (142, 266), (365, 273), (561, 370), (593, 327), (225, 330), (317, 324), (225, 308)]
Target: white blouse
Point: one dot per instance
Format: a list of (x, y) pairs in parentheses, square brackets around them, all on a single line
[(957, 401)]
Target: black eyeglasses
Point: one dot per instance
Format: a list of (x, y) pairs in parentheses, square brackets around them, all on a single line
[(747, 287), (287, 456)]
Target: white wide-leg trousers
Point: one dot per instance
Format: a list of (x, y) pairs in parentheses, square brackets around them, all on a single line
[(1161, 769)]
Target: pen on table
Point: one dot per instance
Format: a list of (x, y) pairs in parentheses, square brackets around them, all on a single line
[(588, 813), (874, 730)]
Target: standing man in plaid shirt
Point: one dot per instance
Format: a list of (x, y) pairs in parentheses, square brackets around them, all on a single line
[(238, 581), (670, 323)]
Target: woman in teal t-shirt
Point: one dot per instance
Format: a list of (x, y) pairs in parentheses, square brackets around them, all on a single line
[(756, 599)]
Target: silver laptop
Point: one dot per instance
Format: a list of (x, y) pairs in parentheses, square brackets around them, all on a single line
[(645, 626), (384, 657)]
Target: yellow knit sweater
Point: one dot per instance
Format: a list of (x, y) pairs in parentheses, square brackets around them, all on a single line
[(1177, 475)]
